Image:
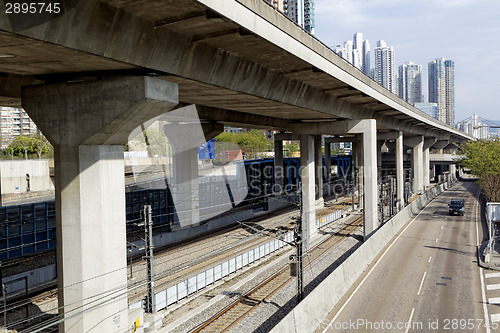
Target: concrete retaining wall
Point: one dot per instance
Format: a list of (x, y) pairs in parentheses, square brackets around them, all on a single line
[(14, 173), (310, 313)]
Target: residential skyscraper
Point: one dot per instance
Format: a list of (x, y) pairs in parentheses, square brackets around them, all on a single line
[(410, 83), (299, 11), (15, 122), (442, 88), (384, 73), (357, 52)]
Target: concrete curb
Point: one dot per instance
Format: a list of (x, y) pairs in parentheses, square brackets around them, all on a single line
[(310, 313)]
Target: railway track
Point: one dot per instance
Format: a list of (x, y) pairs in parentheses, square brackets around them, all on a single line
[(236, 311)]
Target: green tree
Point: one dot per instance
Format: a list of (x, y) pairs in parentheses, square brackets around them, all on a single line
[(251, 143), (482, 157)]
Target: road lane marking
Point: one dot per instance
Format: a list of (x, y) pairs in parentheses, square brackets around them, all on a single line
[(442, 227), (491, 275), (373, 268), (495, 317), (421, 284), (493, 287), (494, 300), (430, 258), (437, 240), (409, 321)]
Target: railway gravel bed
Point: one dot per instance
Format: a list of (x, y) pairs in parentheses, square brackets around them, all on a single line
[(269, 312)]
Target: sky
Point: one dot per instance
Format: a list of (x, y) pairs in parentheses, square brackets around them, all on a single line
[(465, 31)]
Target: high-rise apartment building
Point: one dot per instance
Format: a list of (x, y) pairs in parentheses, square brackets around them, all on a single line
[(15, 122), (299, 11), (384, 73), (357, 52), (442, 88), (410, 83), (430, 108)]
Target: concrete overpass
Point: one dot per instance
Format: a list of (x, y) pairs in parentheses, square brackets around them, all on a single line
[(100, 68)]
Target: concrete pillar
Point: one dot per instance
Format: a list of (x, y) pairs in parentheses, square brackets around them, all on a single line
[(185, 187), (380, 143), (428, 142), (307, 167), (278, 166), (360, 167), (328, 161), (88, 123), (453, 171), (400, 178), (417, 144), (318, 161), (426, 169), (370, 188)]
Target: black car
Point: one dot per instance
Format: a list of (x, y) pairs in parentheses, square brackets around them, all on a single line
[(456, 206)]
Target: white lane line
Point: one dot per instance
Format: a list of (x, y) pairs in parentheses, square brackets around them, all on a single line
[(494, 300), (437, 240), (491, 275), (409, 321), (495, 317), (374, 266), (430, 258), (421, 284), (493, 287), (442, 227), (481, 277)]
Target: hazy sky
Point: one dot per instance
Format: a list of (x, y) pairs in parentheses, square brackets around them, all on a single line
[(465, 31)]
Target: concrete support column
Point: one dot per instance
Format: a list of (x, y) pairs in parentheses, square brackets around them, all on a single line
[(400, 177), (186, 191), (88, 123), (278, 166), (428, 142), (328, 161), (307, 167), (370, 188), (318, 161), (417, 159), (366, 131), (453, 171), (360, 167)]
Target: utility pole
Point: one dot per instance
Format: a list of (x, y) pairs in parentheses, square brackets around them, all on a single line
[(148, 230), (297, 258)]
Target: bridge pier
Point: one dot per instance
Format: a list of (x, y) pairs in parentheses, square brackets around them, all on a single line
[(416, 144), (307, 176), (400, 171), (88, 123), (318, 161)]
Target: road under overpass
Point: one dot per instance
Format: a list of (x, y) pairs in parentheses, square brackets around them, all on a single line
[(92, 73)]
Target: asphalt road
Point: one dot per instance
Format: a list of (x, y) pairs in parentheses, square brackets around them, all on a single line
[(428, 280)]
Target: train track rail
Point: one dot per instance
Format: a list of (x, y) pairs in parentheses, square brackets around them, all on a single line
[(236, 311)]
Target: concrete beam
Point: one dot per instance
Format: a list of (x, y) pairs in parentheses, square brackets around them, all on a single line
[(429, 142), (88, 123), (286, 137), (330, 140), (440, 144)]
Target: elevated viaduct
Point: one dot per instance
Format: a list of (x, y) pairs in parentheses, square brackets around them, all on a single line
[(92, 73)]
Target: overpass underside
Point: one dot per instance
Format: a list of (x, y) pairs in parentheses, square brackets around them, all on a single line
[(97, 71)]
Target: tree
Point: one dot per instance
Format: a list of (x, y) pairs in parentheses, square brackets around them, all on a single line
[(30, 145), (251, 143), (21, 143), (482, 157)]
